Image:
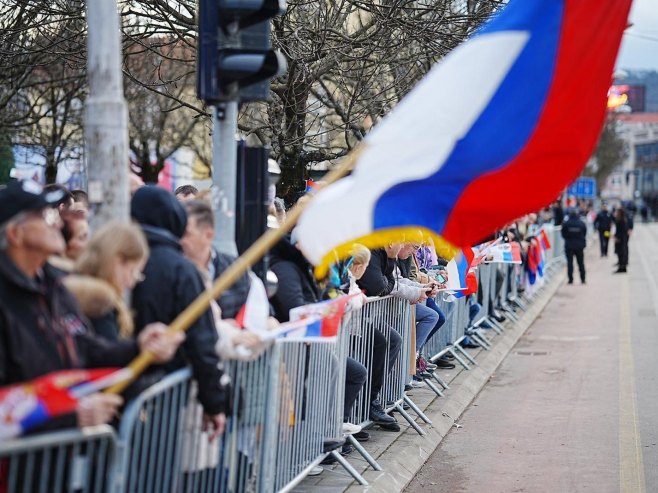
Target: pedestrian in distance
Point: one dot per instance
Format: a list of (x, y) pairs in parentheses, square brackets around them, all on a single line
[(574, 233), (603, 224), (622, 233)]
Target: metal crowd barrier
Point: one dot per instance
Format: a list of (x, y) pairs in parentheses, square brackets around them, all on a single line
[(387, 315), (286, 405), (63, 461)]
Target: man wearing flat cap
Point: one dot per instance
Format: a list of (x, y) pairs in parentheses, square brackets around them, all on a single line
[(41, 328)]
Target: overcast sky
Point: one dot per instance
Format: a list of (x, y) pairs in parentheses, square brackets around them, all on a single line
[(638, 52)]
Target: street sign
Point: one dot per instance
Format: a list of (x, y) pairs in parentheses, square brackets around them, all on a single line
[(583, 188)]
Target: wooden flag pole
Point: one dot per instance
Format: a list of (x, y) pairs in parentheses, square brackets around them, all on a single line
[(241, 265)]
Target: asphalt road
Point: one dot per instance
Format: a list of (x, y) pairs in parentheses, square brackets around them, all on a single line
[(574, 407)]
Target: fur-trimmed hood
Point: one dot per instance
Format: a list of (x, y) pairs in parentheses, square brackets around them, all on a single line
[(96, 297)]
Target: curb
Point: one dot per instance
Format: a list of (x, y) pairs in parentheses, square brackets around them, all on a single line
[(404, 457)]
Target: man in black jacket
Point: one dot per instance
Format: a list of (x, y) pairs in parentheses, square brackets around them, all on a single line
[(198, 247), (41, 327), (171, 283), (603, 224), (379, 280), (574, 233)]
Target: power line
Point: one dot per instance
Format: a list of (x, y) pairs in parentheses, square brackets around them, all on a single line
[(642, 36)]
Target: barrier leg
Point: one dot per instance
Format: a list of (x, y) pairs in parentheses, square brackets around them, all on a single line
[(349, 468), (433, 387), (417, 410), (480, 340), (409, 419), (495, 325), (466, 355), (458, 358), (364, 453)]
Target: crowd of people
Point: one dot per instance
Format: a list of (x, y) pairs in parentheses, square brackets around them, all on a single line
[(64, 293)]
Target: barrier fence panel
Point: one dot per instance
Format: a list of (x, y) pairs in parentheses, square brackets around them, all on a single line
[(302, 407), (63, 461)]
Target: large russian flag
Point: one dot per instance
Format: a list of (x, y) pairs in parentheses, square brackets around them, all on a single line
[(522, 102)]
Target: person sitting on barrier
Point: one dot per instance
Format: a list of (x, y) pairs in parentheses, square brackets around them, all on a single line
[(297, 287), (423, 262), (171, 284), (428, 320), (41, 327), (378, 280)]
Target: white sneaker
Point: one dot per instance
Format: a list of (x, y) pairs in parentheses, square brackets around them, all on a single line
[(416, 384), (350, 429), (316, 471)]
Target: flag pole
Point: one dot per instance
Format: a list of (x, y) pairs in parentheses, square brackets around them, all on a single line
[(241, 265)]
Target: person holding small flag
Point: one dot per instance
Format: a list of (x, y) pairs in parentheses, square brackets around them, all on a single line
[(603, 224)]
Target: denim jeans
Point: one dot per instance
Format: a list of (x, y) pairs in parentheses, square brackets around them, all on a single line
[(426, 320), (442, 320)]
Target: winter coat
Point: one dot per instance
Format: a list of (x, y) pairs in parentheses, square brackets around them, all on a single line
[(603, 221), (234, 297), (98, 302), (171, 283), (621, 230), (42, 331), (296, 286), (574, 233), (378, 279)]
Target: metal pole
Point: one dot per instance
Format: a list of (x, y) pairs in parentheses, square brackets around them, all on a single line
[(106, 116), (224, 173)]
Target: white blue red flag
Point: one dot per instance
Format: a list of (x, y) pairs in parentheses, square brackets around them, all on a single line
[(521, 100), (505, 253)]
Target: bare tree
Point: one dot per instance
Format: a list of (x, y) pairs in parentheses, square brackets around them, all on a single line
[(155, 87), (349, 63)]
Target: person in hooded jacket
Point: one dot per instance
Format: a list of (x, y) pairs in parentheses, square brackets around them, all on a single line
[(297, 287), (171, 283)]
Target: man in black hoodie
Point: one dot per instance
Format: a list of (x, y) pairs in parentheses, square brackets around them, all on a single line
[(171, 283)]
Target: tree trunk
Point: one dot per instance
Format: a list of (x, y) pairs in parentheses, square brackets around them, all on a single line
[(51, 167), (291, 186)]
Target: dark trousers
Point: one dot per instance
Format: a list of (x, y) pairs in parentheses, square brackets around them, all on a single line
[(355, 376), (622, 254), (580, 258), (603, 242), (380, 345)]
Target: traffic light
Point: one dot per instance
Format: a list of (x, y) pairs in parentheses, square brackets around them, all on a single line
[(235, 59)]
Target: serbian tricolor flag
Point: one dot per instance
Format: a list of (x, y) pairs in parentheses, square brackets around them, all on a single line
[(543, 240), (311, 186), (535, 262), (317, 319), (458, 269), (497, 112), (28, 405), (506, 253)]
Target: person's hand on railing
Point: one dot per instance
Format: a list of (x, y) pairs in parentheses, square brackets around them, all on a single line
[(161, 343), (214, 424), (97, 409)]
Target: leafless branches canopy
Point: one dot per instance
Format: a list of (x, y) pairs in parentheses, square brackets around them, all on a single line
[(349, 62)]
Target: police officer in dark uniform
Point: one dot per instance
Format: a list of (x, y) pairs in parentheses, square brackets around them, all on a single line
[(603, 224), (574, 233)]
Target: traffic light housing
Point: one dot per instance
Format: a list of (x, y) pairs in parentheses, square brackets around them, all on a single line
[(235, 59)]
